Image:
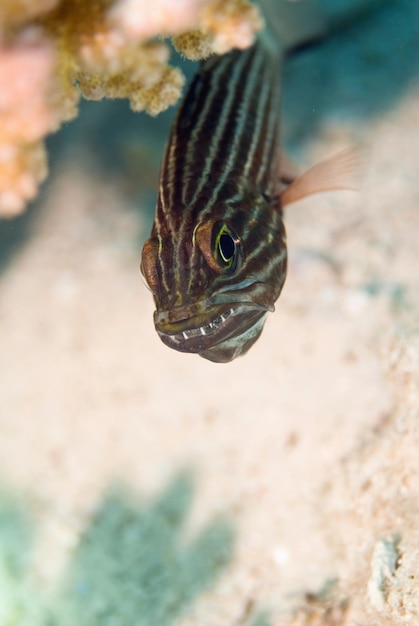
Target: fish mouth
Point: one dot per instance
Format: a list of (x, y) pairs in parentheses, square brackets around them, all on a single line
[(199, 327)]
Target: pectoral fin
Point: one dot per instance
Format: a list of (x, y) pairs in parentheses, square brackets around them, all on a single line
[(341, 171)]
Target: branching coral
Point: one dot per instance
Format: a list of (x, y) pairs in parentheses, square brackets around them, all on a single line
[(27, 113), (52, 52)]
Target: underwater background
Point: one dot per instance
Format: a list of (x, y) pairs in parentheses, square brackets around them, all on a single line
[(140, 486)]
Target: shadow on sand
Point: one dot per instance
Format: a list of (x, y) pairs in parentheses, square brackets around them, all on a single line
[(132, 565)]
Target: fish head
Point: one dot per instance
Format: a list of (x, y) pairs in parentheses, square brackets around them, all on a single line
[(214, 281)]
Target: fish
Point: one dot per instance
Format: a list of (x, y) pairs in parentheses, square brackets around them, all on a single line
[(216, 259)]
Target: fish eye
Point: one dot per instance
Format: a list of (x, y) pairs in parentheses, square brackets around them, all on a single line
[(225, 246)]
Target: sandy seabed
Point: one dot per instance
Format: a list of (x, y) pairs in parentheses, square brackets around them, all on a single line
[(144, 486)]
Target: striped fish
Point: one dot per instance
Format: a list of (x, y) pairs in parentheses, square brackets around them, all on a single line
[(216, 260)]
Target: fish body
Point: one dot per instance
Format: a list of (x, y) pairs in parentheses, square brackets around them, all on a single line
[(216, 260)]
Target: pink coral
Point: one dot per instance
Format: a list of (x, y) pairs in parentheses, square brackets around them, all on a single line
[(54, 51), (232, 23), (25, 89), (27, 114), (140, 19), (17, 12)]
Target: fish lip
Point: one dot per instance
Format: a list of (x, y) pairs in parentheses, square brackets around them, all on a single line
[(224, 298), (210, 324)]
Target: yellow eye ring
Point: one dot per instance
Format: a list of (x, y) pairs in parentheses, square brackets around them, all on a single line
[(225, 246)]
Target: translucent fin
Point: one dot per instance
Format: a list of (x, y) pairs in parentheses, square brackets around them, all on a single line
[(341, 171)]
